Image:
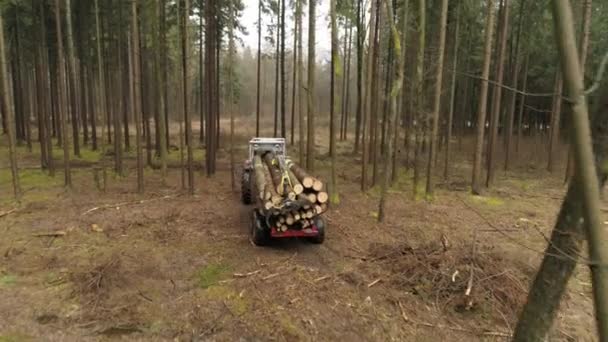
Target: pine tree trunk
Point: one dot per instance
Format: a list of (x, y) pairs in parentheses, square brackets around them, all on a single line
[(160, 89), (73, 80), (483, 99), (62, 98), (580, 210), (450, 123), (259, 71), (211, 84), (135, 72), (101, 102), (333, 186), (497, 96), (395, 90), (310, 141), (185, 86), (301, 86), (283, 83), (295, 81), (437, 99), (366, 117), (555, 122), (419, 86), (8, 115), (360, 39)]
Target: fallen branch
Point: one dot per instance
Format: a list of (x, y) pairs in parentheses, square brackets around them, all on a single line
[(374, 282), (51, 234), (6, 213), (244, 275), (447, 327), (118, 205)]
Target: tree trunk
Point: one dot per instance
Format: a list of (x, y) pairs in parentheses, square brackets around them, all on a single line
[(185, 88), (333, 102), (483, 99), (360, 39), (497, 95), (419, 97), (283, 83), (73, 80), (211, 84), (301, 85), (62, 99), (555, 122), (580, 209), (8, 114), (396, 89), (367, 99), (437, 99), (100, 77), (159, 4), (295, 80), (135, 71), (450, 123), (584, 48), (310, 142), (259, 70)]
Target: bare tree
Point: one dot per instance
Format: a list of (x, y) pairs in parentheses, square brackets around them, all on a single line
[(62, 98), (310, 141), (137, 99), (437, 99), (483, 99), (8, 114)]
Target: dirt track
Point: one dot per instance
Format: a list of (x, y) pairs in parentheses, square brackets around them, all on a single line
[(183, 268)]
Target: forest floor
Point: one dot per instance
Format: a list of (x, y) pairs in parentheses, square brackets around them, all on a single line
[(92, 265)]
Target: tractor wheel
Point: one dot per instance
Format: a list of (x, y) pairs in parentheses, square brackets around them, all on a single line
[(320, 224), (246, 187), (260, 235)]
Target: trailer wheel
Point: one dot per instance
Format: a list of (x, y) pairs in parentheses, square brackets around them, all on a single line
[(320, 224), (246, 187), (260, 235)]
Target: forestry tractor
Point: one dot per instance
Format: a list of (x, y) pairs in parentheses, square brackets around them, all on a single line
[(287, 201)]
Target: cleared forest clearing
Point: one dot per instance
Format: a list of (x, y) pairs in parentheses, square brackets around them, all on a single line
[(90, 265)]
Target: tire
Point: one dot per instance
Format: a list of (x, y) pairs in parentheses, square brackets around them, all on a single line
[(320, 224), (260, 235), (246, 197)]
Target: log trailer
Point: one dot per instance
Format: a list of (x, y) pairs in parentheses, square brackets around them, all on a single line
[(287, 201)]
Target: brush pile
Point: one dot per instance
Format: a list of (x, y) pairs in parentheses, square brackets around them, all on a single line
[(290, 196)]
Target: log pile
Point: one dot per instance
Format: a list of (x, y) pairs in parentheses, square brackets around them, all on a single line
[(290, 196)]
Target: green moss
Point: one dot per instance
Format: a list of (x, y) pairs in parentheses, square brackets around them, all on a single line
[(488, 200), (291, 329), (29, 178), (211, 274), (14, 338), (89, 155), (236, 303), (7, 280)]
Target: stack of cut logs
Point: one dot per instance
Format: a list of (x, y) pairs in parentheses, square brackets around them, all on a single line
[(292, 197)]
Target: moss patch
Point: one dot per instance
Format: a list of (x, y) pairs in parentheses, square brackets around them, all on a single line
[(488, 200), (14, 338), (211, 274), (7, 280), (237, 304)]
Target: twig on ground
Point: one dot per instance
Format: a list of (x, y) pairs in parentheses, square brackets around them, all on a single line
[(6, 213), (441, 326), (271, 276), (51, 234), (321, 278), (244, 275), (118, 205), (374, 282)]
